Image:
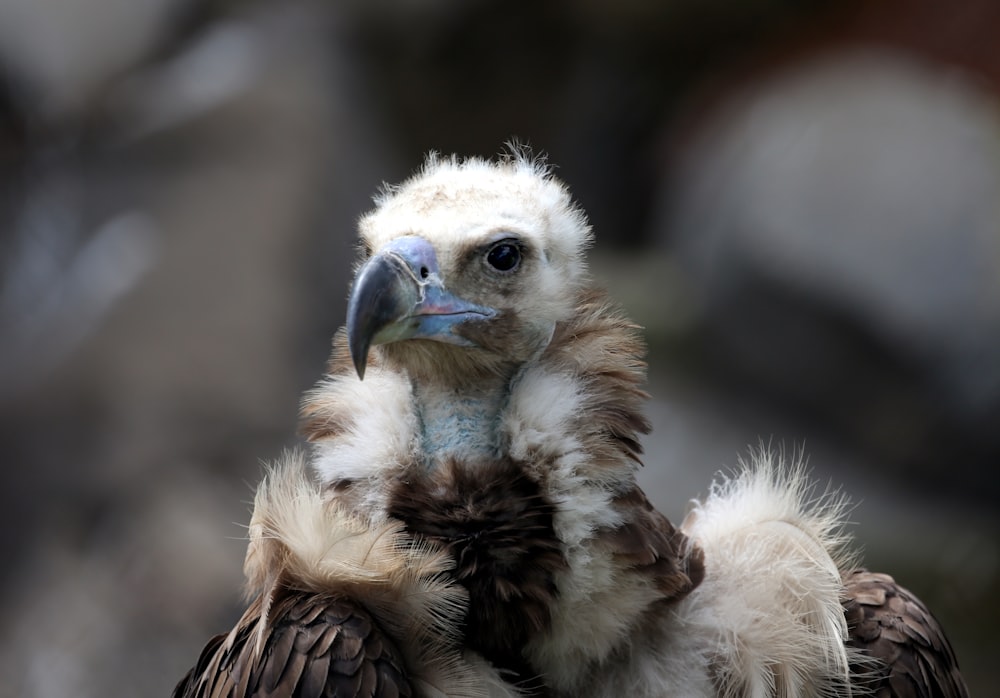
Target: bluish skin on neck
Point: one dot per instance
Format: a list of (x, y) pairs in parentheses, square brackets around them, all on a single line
[(461, 424)]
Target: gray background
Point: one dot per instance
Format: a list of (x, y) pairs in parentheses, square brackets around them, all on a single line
[(799, 201)]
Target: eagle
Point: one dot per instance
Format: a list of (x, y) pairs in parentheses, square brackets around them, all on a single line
[(467, 520)]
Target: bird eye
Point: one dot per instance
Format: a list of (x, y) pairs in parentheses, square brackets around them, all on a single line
[(504, 256)]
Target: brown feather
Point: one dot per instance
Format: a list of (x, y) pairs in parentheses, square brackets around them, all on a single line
[(314, 645), (497, 525), (649, 544), (606, 350), (890, 624)]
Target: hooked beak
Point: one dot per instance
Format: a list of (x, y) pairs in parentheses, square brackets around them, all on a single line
[(398, 294)]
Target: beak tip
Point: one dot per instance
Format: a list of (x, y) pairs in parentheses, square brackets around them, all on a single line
[(375, 302), (359, 353)]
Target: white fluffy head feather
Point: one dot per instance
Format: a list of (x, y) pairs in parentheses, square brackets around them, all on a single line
[(460, 204)]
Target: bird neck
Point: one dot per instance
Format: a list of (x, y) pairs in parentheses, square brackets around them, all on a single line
[(461, 422)]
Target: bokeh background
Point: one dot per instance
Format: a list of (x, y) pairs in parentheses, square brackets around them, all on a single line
[(800, 201)]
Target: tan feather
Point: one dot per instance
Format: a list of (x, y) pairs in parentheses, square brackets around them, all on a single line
[(308, 559)]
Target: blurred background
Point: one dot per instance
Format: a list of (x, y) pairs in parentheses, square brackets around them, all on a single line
[(800, 201)]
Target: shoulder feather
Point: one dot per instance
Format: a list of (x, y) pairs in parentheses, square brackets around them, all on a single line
[(317, 573), (888, 623), (769, 606), (314, 645)]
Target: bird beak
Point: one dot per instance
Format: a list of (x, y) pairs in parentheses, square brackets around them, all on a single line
[(398, 294)]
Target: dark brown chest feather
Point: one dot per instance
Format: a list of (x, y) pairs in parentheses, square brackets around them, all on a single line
[(887, 622), (498, 527)]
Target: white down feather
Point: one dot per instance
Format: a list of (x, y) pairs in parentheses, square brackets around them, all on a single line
[(768, 616)]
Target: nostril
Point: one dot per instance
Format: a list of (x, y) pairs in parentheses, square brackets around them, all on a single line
[(424, 272)]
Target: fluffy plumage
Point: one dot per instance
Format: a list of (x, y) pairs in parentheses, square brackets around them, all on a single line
[(491, 451), (769, 609), (340, 606), (571, 425)]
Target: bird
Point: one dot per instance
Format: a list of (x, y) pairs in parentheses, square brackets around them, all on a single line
[(481, 416)]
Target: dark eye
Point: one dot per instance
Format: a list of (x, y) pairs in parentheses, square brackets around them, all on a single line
[(504, 256)]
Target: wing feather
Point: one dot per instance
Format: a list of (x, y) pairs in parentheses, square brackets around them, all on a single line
[(314, 645), (889, 623)]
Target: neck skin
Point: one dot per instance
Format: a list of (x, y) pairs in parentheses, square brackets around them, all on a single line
[(460, 420), (460, 393)]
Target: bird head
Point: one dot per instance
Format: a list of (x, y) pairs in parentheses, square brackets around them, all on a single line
[(467, 267)]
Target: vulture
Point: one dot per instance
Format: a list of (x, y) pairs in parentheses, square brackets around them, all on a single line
[(467, 521)]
